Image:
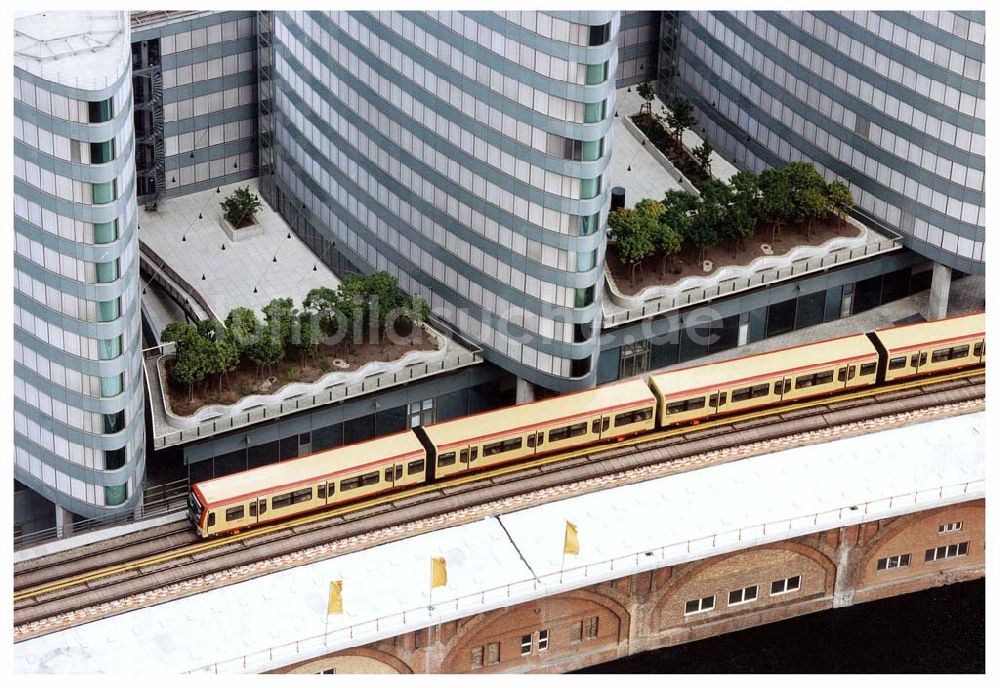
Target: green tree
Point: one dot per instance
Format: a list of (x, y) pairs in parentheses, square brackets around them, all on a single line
[(631, 230), (841, 200), (808, 191), (702, 154), (745, 208), (647, 93), (776, 199), (332, 307), (679, 118), (667, 241), (281, 317), (227, 357), (243, 327), (309, 334), (267, 350), (709, 216), (240, 206)]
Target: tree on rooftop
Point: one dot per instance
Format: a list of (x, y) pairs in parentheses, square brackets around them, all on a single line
[(242, 328), (745, 208), (841, 200), (776, 199), (281, 317), (227, 356), (240, 206), (680, 117), (632, 229), (808, 190), (267, 349), (309, 334), (332, 307), (703, 154), (647, 93), (710, 216)]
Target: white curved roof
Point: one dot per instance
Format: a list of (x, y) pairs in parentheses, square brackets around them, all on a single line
[(86, 50)]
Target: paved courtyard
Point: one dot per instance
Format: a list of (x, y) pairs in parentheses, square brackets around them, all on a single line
[(186, 233)]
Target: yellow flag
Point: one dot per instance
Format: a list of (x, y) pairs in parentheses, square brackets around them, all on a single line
[(439, 572), (336, 604), (571, 545)]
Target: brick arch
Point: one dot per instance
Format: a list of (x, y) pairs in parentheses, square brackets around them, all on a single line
[(367, 660), (685, 573), (490, 624), (899, 527)]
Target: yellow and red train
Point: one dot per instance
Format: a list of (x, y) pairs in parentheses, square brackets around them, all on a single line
[(686, 395)]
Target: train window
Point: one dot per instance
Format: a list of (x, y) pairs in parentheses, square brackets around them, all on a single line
[(211, 519), (633, 417), (388, 474), (918, 359), (899, 362), (595, 427), (868, 369), (235, 513), (446, 459), (505, 446), (814, 379), (370, 478), (350, 484), (300, 496), (686, 405), (531, 440), (950, 354), (281, 500), (321, 491), (463, 456), (777, 387), (977, 350), (415, 467), (330, 489), (399, 471), (742, 394), (253, 508), (569, 431), (716, 400), (578, 429)]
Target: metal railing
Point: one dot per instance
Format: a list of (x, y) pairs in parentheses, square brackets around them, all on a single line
[(333, 393), (150, 256), (766, 276), (588, 574), (157, 500)]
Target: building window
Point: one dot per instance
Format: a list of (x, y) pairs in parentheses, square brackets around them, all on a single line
[(748, 594), (331, 670), (949, 527), (525, 645), (590, 628), (946, 551), (102, 152), (704, 604), (634, 359), (493, 653), (100, 111), (780, 587), (421, 412), (477, 657), (896, 562), (543, 640)]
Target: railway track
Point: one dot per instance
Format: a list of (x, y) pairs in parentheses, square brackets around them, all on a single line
[(97, 575)]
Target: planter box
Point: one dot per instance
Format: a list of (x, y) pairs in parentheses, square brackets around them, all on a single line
[(239, 234)]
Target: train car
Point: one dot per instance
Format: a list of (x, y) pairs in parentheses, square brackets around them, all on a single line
[(703, 391), (932, 347), (335, 476), (517, 432)]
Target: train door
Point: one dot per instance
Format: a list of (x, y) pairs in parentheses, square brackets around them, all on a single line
[(392, 475), (918, 361), (257, 510), (979, 351), (847, 373), (600, 426), (468, 457), (536, 440), (782, 387), (718, 401)]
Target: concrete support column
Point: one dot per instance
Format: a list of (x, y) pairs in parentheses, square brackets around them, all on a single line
[(64, 522), (525, 393), (937, 301)]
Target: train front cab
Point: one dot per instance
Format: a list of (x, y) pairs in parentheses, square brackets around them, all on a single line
[(551, 426), (933, 347), (701, 392)]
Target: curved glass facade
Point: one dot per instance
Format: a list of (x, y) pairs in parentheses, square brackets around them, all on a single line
[(464, 152), (78, 394), (891, 102)]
